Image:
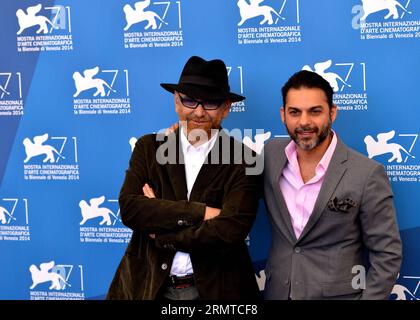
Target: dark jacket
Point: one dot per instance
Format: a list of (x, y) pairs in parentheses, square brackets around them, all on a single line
[(221, 262)]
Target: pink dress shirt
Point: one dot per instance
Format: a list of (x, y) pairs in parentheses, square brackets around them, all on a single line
[(300, 197)]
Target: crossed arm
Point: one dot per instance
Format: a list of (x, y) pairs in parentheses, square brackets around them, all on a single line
[(210, 212), (211, 227)]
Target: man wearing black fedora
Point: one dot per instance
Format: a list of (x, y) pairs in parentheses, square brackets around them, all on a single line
[(189, 201)]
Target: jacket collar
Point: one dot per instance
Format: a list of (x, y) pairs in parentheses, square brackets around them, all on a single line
[(336, 169)]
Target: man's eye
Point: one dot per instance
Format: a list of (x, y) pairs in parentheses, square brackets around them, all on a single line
[(188, 102)]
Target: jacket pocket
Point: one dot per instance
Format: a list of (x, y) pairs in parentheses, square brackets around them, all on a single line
[(340, 288)]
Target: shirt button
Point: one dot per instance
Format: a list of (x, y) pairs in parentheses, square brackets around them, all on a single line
[(286, 282), (164, 266), (297, 250)]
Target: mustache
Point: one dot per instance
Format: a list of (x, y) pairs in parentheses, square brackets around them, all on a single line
[(195, 118), (306, 129)]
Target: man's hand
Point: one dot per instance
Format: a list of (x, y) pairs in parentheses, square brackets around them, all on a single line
[(148, 192), (211, 213)]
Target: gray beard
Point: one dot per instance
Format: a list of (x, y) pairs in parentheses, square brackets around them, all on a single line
[(311, 144)]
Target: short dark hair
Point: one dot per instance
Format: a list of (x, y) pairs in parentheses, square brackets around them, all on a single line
[(307, 79)]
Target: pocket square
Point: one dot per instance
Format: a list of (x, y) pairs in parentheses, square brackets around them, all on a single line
[(343, 205)]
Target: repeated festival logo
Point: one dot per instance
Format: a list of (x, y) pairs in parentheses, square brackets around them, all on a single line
[(386, 19), (397, 152), (406, 288), (153, 24), (11, 98), (51, 281), (266, 22), (348, 80), (49, 158), (14, 219), (44, 28), (101, 221), (101, 92)]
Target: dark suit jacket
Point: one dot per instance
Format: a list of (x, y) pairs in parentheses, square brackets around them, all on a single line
[(219, 255), (319, 265)]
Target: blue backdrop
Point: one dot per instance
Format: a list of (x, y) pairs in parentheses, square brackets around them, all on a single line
[(79, 80)]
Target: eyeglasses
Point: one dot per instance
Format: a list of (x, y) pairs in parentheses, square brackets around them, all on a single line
[(206, 104)]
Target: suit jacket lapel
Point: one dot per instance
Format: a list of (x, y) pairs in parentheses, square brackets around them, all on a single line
[(176, 171), (335, 172), (284, 211)]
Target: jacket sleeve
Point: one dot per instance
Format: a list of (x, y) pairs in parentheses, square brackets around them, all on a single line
[(380, 235), (231, 227), (138, 212)]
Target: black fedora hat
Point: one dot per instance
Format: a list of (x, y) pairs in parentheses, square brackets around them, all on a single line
[(201, 79)]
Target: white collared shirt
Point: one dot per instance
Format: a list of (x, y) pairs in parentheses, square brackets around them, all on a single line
[(194, 158)]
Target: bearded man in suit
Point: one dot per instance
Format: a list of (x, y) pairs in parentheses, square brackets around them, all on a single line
[(334, 229)]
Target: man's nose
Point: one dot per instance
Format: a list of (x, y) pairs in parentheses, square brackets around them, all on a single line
[(305, 119), (199, 111)]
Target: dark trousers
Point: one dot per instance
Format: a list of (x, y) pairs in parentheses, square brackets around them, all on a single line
[(171, 293)]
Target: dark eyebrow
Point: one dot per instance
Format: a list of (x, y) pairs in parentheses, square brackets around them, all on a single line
[(298, 109), (315, 107)]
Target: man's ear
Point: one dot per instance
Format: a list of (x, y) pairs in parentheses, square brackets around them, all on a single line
[(333, 113), (175, 96), (282, 110), (227, 108), (176, 103)]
